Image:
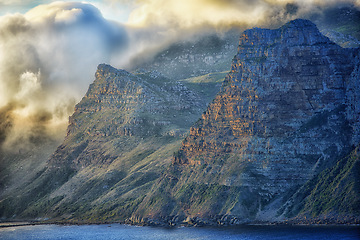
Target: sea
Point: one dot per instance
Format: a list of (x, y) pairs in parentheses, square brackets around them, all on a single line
[(125, 232)]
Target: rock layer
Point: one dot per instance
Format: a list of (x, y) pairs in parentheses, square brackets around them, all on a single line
[(120, 138), (281, 117), (123, 105)]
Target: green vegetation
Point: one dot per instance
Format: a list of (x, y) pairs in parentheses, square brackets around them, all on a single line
[(334, 191), (207, 86)]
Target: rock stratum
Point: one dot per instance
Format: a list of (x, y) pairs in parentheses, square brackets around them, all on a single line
[(278, 142), (285, 112)]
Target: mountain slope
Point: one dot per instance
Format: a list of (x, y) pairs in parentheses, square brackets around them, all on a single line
[(120, 138), (332, 195), (279, 119)]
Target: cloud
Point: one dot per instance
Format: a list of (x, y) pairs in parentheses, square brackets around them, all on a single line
[(222, 13), (48, 57), (13, 2), (189, 13), (155, 24)]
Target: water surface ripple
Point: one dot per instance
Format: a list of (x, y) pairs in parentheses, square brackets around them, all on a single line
[(125, 232)]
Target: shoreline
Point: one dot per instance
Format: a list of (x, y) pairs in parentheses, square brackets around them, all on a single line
[(9, 224), (17, 224)]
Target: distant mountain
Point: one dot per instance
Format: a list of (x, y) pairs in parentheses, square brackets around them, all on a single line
[(342, 20), (198, 56), (275, 141)]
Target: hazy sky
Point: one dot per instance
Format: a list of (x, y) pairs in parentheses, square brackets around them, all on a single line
[(111, 9), (49, 50)]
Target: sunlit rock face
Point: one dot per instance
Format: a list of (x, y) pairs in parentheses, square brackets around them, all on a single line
[(281, 116), (131, 107)]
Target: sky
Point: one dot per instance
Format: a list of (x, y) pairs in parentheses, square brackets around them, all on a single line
[(49, 50)]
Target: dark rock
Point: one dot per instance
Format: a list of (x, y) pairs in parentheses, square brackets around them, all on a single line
[(287, 110)]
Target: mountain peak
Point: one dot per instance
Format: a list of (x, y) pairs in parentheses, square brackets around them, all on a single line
[(300, 23), (298, 32), (302, 32), (106, 67), (108, 70)]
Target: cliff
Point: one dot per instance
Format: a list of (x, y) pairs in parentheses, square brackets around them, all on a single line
[(133, 107), (120, 138), (286, 88), (286, 111)]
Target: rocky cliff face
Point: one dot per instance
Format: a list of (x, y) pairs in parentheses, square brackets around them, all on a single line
[(281, 108), (119, 141), (353, 101), (123, 105), (285, 112)]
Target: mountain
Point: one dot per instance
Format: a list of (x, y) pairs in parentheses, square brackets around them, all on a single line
[(200, 63), (274, 142), (120, 138), (280, 118), (200, 55)]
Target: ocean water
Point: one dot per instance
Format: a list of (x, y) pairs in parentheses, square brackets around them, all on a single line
[(125, 232)]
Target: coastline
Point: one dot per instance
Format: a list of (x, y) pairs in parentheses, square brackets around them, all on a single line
[(191, 224), (17, 224)]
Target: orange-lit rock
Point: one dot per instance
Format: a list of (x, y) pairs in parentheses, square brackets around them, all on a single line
[(281, 110)]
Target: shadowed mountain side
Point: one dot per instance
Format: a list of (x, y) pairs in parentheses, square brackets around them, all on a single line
[(331, 196), (280, 118)]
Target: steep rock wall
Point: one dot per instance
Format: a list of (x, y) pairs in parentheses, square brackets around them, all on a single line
[(119, 104), (280, 118)]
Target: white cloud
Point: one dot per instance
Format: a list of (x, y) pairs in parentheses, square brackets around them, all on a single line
[(48, 59), (29, 85), (193, 13)]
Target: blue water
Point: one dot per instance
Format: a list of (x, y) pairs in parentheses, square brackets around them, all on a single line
[(122, 232)]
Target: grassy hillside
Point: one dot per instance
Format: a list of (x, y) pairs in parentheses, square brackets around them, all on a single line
[(332, 194)]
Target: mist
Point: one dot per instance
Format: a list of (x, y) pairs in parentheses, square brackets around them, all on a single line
[(48, 56), (225, 13)]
